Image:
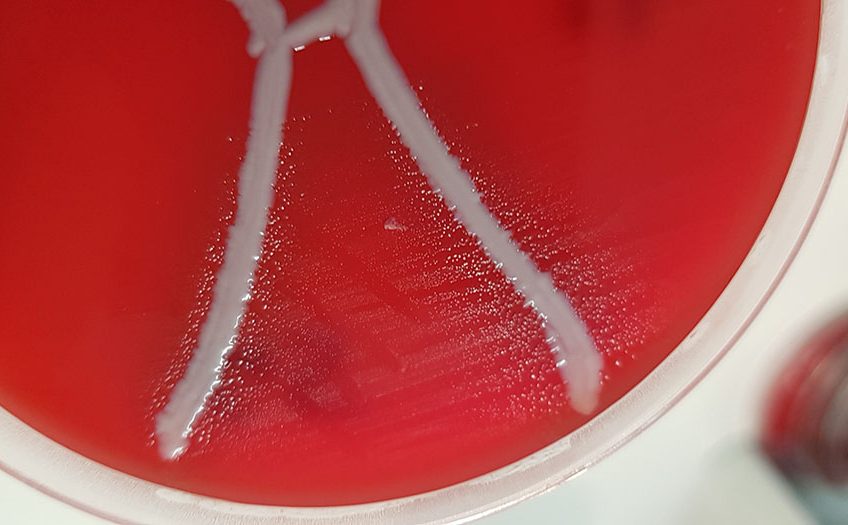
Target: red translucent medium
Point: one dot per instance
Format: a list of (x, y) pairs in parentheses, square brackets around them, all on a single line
[(634, 150)]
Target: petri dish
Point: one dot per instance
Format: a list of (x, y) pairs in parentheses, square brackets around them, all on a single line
[(91, 486)]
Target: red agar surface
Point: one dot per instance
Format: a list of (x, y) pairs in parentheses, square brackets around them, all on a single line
[(634, 149)]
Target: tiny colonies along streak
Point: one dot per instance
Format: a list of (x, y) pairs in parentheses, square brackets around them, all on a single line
[(272, 41)]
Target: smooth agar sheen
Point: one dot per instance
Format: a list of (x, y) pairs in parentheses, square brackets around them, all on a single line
[(632, 149)]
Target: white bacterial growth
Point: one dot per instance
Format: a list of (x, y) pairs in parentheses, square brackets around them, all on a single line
[(357, 23), (232, 289)]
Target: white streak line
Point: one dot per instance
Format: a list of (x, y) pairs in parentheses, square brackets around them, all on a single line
[(567, 336), (232, 289)]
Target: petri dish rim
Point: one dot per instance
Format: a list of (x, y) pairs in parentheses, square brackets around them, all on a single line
[(113, 495)]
